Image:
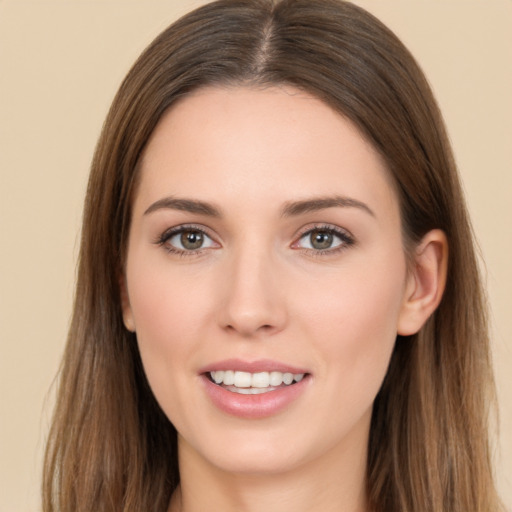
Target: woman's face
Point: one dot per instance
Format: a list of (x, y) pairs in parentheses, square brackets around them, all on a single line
[(265, 240)]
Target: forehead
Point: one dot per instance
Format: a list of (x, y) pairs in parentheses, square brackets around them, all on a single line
[(261, 113), (260, 143)]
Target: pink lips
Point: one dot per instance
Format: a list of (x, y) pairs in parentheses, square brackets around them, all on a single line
[(253, 406), (261, 365)]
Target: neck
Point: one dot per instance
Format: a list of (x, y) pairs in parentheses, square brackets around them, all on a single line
[(334, 482)]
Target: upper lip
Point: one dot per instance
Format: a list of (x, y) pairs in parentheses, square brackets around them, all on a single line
[(259, 365)]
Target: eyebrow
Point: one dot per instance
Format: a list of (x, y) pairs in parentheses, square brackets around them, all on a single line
[(294, 208), (290, 209), (186, 205)]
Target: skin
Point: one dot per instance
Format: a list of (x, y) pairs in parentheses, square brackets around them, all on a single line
[(258, 289)]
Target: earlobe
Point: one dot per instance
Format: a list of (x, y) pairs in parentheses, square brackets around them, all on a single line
[(425, 283), (125, 305)]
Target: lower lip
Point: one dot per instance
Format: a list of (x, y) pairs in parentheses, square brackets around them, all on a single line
[(254, 406)]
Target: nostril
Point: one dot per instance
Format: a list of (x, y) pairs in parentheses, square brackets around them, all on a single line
[(248, 331)]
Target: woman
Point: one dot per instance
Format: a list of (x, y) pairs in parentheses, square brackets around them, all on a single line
[(278, 304)]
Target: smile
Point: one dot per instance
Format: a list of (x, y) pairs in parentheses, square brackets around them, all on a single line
[(254, 389), (247, 383)]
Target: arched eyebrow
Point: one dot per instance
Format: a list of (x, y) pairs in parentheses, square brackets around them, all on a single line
[(290, 209), (186, 205), (314, 204)]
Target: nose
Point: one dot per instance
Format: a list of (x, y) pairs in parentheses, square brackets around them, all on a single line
[(253, 296)]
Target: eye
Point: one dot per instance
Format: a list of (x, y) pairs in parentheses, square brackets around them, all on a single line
[(324, 239), (186, 239)]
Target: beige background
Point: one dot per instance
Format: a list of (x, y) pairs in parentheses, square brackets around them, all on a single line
[(60, 64)]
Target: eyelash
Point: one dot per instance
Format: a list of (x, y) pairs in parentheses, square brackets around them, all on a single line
[(346, 238), (164, 238)]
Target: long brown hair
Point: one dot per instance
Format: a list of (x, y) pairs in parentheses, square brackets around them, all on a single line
[(110, 447)]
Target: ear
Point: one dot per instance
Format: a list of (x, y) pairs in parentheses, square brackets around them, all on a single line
[(125, 304), (425, 283)]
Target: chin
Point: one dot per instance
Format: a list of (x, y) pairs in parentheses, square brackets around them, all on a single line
[(250, 453), (265, 463)]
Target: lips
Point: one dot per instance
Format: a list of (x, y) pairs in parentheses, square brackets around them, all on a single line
[(253, 389)]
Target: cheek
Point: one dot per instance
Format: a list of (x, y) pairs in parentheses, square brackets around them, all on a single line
[(168, 313), (353, 319), (166, 301)]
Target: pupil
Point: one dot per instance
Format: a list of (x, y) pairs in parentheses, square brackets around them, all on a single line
[(321, 240), (192, 239)]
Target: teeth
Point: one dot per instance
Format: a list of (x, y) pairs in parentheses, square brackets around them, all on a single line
[(260, 380), (243, 380), (251, 383), (276, 378), (217, 377), (229, 378), (249, 391), (288, 378)]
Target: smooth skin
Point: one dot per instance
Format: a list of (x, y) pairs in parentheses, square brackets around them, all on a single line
[(266, 227)]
